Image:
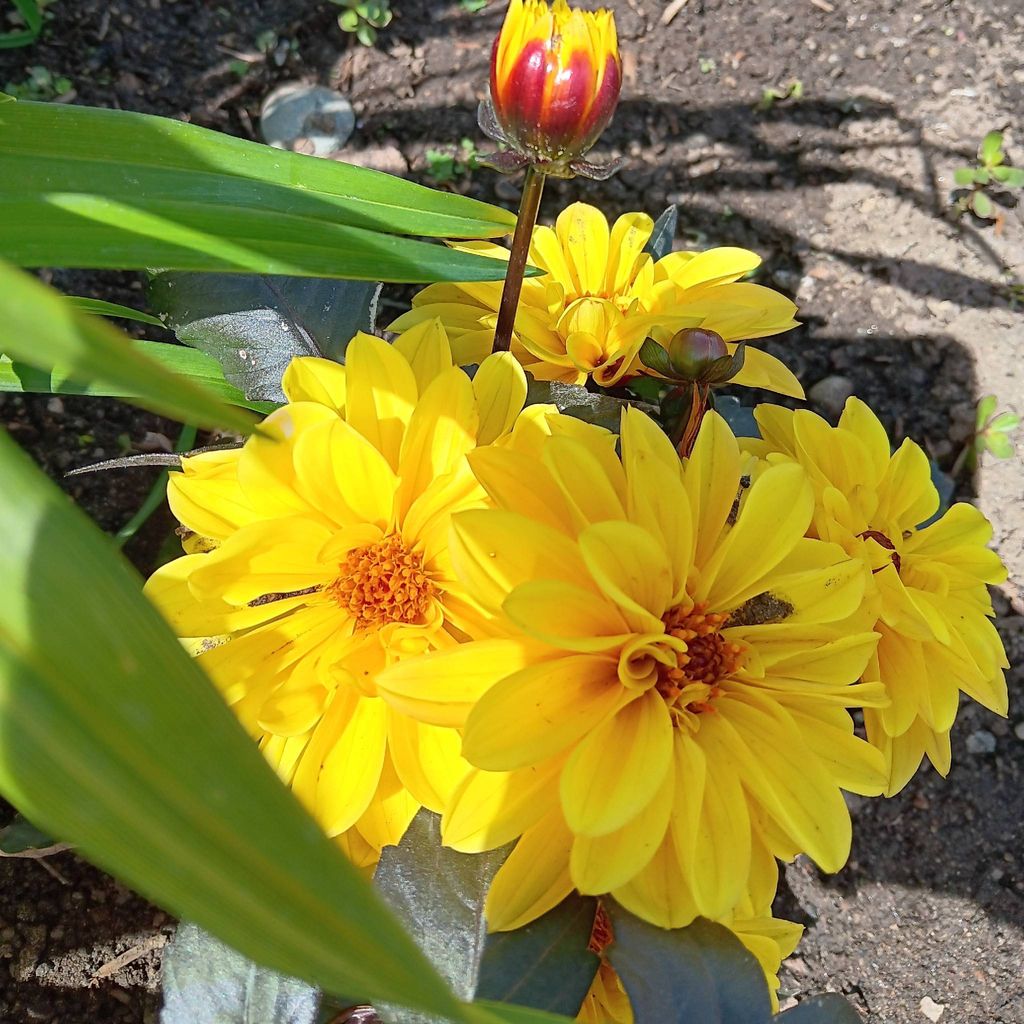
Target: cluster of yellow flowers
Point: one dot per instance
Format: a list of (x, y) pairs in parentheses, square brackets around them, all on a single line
[(417, 592)]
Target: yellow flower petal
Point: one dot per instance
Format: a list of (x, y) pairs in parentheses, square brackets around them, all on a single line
[(500, 388), (854, 764), (352, 767), (552, 705), (566, 616), (310, 379), (381, 394), (600, 794), (630, 568), (710, 824), (427, 759), (426, 349), (773, 519), (763, 370), (583, 235), (489, 809), (659, 893), (593, 490), (600, 864), (712, 479), (440, 688), (389, 813), (534, 878), (293, 712)]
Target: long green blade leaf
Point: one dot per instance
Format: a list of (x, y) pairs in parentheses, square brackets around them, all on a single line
[(103, 308), (113, 739), (183, 361), (39, 327), (102, 188)]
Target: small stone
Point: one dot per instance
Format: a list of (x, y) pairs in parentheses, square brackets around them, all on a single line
[(861, 52), (317, 120), (1018, 730), (830, 393), (980, 742), (931, 1009), (55, 405)]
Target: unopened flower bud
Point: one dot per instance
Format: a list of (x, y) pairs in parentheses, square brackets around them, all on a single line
[(555, 80), (700, 355)]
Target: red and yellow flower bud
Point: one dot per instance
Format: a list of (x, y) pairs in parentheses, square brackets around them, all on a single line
[(555, 78)]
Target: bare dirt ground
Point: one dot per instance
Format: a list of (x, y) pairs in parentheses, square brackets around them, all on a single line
[(846, 194)]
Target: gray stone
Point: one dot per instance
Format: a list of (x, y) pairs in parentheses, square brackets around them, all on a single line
[(306, 119), (981, 742), (830, 394)]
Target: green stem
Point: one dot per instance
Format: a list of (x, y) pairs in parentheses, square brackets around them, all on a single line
[(186, 439), (533, 186)]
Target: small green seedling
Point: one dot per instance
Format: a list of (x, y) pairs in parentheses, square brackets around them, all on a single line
[(992, 432), (364, 17), (41, 85), (990, 170), (792, 90), (444, 165), (472, 6)]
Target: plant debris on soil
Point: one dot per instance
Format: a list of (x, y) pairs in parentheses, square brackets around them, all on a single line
[(822, 134)]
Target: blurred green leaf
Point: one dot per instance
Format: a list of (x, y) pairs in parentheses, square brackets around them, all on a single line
[(112, 738), (39, 327), (1005, 421), (986, 406), (999, 445), (982, 176), (106, 188), (964, 175), (1012, 177), (33, 18), (828, 1008), (101, 308), (990, 151)]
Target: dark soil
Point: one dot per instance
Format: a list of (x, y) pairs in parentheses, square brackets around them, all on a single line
[(844, 192)]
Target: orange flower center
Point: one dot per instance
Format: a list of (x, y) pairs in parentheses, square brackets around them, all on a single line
[(691, 686), (382, 583)]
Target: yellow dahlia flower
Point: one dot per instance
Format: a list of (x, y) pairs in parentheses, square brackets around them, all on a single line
[(927, 587), (324, 557), (669, 709), (600, 296), (555, 79)]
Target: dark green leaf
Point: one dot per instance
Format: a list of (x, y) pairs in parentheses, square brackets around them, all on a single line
[(487, 1012), (438, 894), (946, 486), (546, 964), (183, 361), (663, 234), (964, 175), (21, 836), (982, 205), (206, 982), (112, 738), (655, 358), (601, 410), (254, 325), (102, 308), (828, 1008), (39, 327), (739, 417), (696, 975), (106, 188)]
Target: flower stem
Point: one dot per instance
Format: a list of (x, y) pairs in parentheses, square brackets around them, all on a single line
[(533, 186), (698, 406)]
